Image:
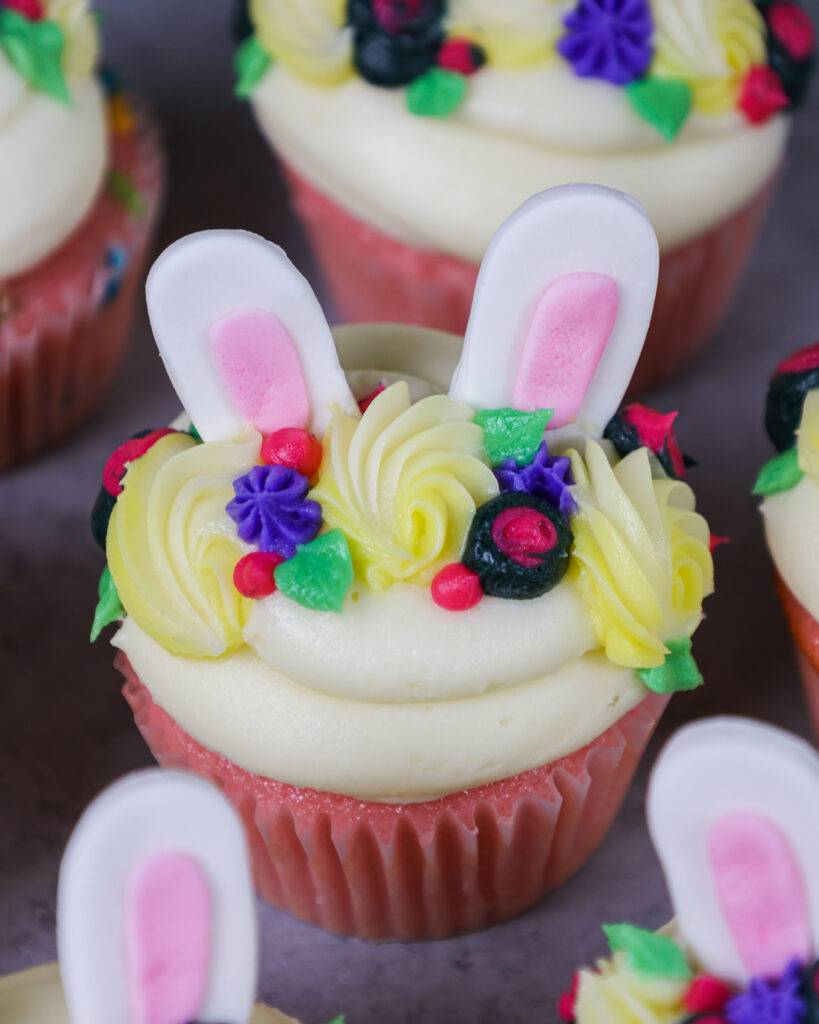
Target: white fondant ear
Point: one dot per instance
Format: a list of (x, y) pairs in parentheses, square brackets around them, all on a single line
[(243, 336), (156, 920), (732, 813), (562, 304)]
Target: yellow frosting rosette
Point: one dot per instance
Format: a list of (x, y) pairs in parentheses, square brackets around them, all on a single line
[(615, 994), (402, 484), (807, 437), (641, 555), (514, 34), (309, 37), (79, 25)]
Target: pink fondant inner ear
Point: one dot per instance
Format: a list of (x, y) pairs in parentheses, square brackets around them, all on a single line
[(167, 939), (260, 369), (571, 325), (762, 893)]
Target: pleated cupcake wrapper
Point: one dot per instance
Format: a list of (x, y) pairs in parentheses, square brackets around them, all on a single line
[(64, 324), (376, 278), (416, 871), (805, 633)]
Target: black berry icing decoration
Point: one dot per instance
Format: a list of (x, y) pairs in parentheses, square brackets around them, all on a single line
[(395, 41), (518, 546), (637, 426), (783, 410), (791, 46)]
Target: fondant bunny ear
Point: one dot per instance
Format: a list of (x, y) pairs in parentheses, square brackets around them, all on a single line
[(561, 309), (243, 337), (732, 813), (156, 917)]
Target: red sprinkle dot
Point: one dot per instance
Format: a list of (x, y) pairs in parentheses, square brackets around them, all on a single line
[(253, 575), (365, 403), (793, 28), (32, 9), (129, 452), (762, 94), (456, 588), (294, 448), (522, 534), (568, 1001), (706, 995), (460, 55), (715, 541)]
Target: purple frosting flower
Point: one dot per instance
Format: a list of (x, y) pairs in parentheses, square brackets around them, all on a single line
[(546, 476), (609, 39), (770, 1002), (270, 509)]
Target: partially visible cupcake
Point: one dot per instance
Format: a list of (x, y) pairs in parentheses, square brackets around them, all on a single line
[(410, 130), (789, 486), (728, 811), (80, 180)]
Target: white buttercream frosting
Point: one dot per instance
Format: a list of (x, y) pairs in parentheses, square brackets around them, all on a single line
[(792, 530)]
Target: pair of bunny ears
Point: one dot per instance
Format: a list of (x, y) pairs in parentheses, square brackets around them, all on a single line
[(156, 919), (733, 811), (561, 309)]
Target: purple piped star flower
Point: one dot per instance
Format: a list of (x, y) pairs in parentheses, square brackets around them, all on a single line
[(271, 511), (609, 39), (546, 476), (770, 1002)]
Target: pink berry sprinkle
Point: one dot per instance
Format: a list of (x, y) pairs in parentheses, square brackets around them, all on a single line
[(568, 1001), (294, 448), (460, 55), (706, 995), (253, 575), (129, 452), (31, 9), (456, 588), (793, 28), (761, 95), (522, 534)]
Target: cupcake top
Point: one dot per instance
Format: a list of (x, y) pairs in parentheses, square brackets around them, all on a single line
[(789, 482), (400, 594), (726, 811), (52, 115), (434, 119)]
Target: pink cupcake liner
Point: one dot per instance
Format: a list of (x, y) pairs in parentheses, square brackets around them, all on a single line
[(416, 871), (376, 278), (64, 324), (805, 633)]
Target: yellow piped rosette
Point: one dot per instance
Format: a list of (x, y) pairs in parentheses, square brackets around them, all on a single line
[(309, 37), (80, 35), (807, 437), (614, 993)]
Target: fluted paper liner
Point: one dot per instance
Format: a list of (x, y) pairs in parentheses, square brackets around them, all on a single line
[(805, 633)]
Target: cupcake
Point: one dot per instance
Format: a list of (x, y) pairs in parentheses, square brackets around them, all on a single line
[(417, 624), (156, 919), (80, 177), (726, 811), (789, 487), (409, 131)]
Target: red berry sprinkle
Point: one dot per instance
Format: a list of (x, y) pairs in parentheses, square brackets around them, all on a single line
[(706, 995), (522, 534), (253, 575), (456, 588), (762, 94), (32, 9), (715, 541), (129, 452), (460, 55), (800, 362), (294, 448), (792, 27), (365, 402), (568, 1001)]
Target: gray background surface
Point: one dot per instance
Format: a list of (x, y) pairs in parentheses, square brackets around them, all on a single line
[(65, 731)]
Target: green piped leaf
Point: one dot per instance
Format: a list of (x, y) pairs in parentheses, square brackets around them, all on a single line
[(126, 192), (109, 607), (509, 433), (677, 673), (319, 574), (654, 955), (664, 102), (438, 93), (250, 64), (35, 49), (780, 474)]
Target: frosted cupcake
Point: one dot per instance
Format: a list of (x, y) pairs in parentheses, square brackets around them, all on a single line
[(410, 130), (727, 813), (789, 485), (419, 638), (155, 915), (80, 178)]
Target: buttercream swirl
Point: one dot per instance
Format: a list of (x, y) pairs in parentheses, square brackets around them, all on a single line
[(80, 33), (613, 993), (710, 44), (640, 555), (309, 37), (516, 33), (172, 549), (402, 484)]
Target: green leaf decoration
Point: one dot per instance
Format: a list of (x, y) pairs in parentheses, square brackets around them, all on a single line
[(338, 1020), (35, 49), (250, 64), (509, 433), (664, 102), (649, 953), (677, 673), (126, 192), (438, 93), (109, 607), (319, 574), (780, 474)]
